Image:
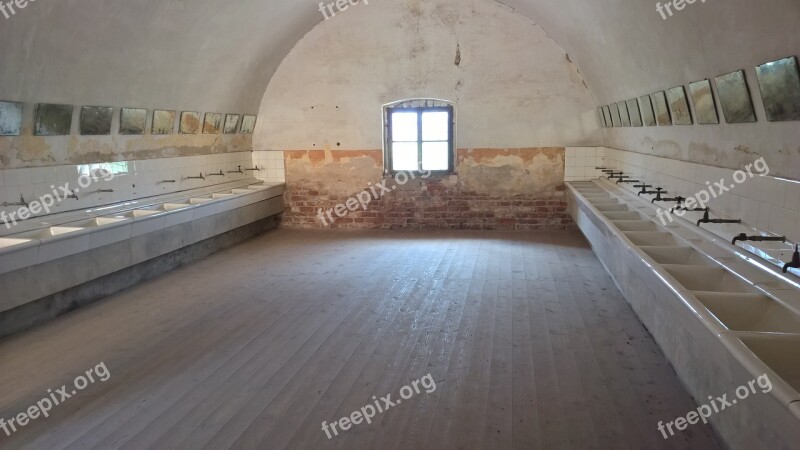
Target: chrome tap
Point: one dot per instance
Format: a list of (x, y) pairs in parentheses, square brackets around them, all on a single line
[(237, 171), (73, 195), (256, 169), (220, 174), (201, 177)]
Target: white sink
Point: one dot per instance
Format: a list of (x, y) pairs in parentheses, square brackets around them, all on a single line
[(635, 225), (97, 222), (677, 255), (780, 353), (10, 242), (172, 206), (50, 232), (652, 238), (626, 215), (200, 200), (708, 279), (223, 195), (750, 312), (614, 207), (242, 191), (137, 213), (603, 201)]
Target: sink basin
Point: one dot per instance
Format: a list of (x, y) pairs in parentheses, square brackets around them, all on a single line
[(708, 279), (677, 255), (200, 200), (50, 232), (626, 215), (222, 194), (635, 225), (652, 238), (10, 242), (242, 191), (137, 213), (750, 312), (257, 187), (172, 206), (779, 353), (603, 201), (98, 222), (610, 208)]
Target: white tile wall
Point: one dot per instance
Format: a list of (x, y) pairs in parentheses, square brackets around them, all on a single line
[(768, 203), (271, 163), (582, 163), (143, 178)]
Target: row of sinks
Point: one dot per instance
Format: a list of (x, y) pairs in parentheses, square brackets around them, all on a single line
[(749, 319), (6, 242)]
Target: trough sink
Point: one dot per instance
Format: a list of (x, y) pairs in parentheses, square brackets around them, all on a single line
[(10, 242), (750, 312), (137, 213), (652, 238), (610, 208), (625, 215), (708, 279), (635, 225), (200, 200), (780, 353), (677, 255), (50, 232), (97, 222)]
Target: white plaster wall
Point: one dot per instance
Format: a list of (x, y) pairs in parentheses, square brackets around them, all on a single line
[(625, 49), (514, 86)]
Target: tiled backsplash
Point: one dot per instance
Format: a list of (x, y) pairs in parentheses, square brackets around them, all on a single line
[(581, 163), (271, 165), (765, 202), (134, 179)]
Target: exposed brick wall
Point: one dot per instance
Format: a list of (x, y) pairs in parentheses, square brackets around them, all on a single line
[(494, 189)]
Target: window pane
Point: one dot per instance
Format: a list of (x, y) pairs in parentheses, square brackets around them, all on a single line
[(435, 156), (404, 126), (405, 156), (435, 126)]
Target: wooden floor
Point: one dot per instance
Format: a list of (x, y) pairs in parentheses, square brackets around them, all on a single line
[(530, 345)]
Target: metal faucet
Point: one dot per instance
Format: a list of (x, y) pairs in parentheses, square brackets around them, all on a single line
[(105, 191), (614, 174), (167, 181), (795, 264), (21, 202), (658, 195), (201, 177), (644, 188), (256, 169), (220, 174), (744, 237), (74, 194), (626, 179), (707, 219), (237, 171)]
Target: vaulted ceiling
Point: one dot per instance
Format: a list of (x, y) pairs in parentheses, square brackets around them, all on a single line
[(212, 54)]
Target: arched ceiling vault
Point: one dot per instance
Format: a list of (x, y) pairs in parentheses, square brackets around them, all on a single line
[(215, 55)]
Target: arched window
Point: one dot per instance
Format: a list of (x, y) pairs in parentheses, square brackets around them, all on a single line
[(419, 136)]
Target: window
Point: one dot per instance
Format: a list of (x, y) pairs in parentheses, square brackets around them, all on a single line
[(419, 137)]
